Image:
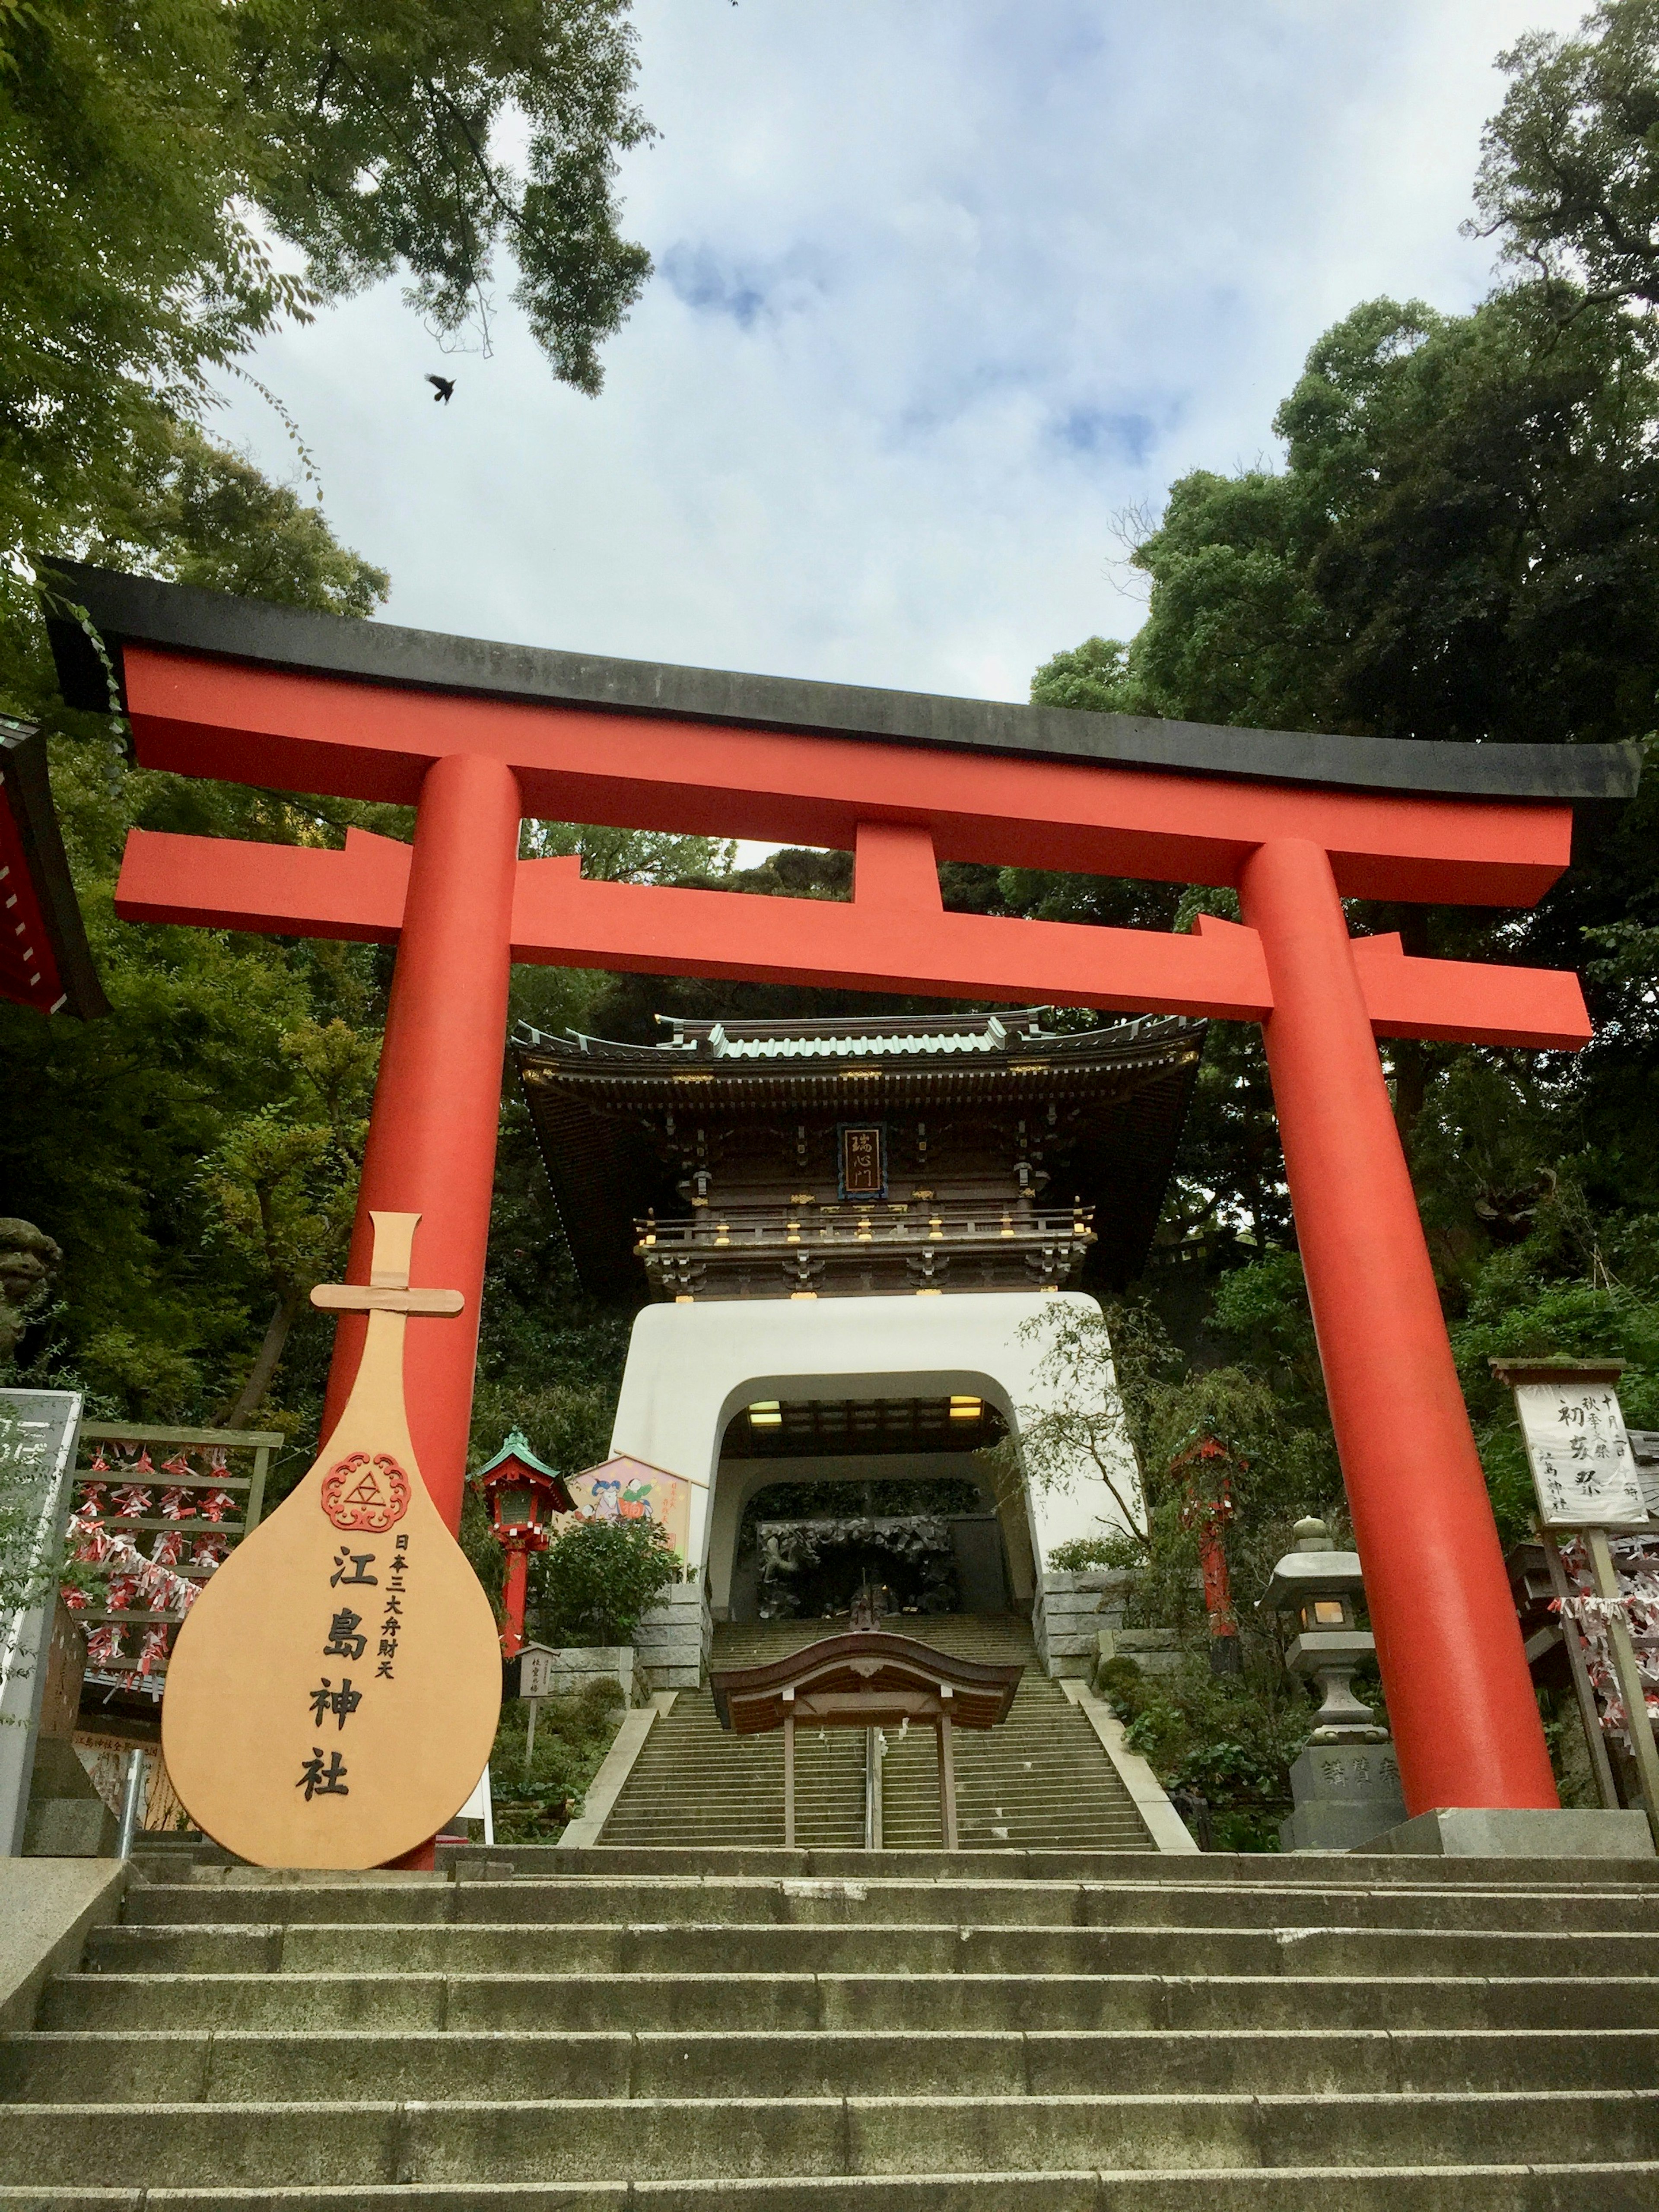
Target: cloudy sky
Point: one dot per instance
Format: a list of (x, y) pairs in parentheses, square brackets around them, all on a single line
[(943, 288)]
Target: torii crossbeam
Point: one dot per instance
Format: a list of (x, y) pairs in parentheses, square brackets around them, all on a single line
[(477, 737)]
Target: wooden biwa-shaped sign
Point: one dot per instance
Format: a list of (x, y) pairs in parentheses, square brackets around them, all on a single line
[(334, 1691)]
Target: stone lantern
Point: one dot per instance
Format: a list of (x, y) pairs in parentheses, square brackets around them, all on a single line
[(522, 1494), (1347, 1783)]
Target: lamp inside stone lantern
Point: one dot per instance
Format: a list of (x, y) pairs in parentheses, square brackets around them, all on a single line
[(1318, 1585), (523, 1494)]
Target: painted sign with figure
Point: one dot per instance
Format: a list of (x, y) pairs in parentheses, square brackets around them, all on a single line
[(334, 1691), (625, 1489), (1582, 1468)]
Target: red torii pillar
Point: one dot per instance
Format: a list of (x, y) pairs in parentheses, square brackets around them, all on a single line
[(461, 906), (1423, 1523), (431, 1147)]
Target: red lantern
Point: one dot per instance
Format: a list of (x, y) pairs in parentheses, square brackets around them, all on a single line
[(1209, 1515), (523, 1494)]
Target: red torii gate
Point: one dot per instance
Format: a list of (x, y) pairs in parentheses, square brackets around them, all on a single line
[(477, 735)]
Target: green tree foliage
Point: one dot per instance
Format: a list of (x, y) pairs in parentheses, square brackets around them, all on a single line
[(163, 169), (1569, 178), (536, 1791), (283, 1182), (592, 1583), (1130, 1393), (1460, 545)]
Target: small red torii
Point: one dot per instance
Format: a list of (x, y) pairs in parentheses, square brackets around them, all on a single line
[(477, 735)]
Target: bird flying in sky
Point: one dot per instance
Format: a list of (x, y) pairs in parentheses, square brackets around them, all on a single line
[(443, 387)]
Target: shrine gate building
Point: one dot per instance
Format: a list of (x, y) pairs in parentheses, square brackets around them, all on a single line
[(854, 1231)]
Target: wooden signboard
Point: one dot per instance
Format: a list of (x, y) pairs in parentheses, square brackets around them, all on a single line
[(334, 1691), (1583, 1472), (863, 1160), (1583, 1469)]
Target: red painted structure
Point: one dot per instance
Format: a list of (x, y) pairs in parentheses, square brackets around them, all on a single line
[(45, 960), (461, 905), (522, 1494), (1209, 1515)]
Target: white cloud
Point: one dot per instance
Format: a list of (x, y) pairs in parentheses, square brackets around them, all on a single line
[(942, 287)]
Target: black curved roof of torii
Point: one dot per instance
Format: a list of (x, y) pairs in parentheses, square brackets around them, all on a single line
[(181, 617)]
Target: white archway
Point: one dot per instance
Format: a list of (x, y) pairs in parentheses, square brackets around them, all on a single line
[(691, 1367)]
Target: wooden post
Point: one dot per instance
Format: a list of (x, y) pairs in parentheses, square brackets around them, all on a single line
[(1589, 1712), (1631, 1689), (530, 1736), (873, 1790), (256, 1489), (789, 1770), (947, 1775)]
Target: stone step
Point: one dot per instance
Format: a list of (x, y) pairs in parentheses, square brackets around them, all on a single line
[(587, 2003), (1080, 1824), (312, 2066), (1541, 1879), (345, 2146), (940, 1947), (1486, 2188), (1041, 1777), (769, 1900)]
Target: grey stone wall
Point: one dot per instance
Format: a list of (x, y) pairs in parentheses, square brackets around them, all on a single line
[(1069, 1612), (578, 1664), (674, 1640), (1154, 1651)]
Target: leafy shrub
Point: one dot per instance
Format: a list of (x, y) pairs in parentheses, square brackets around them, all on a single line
[(573, 1735), (1085, 1552), (592, 1583), (1227, 1738)]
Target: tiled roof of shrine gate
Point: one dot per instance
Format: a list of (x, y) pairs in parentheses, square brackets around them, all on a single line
[(1015, 1039), (135, 610)]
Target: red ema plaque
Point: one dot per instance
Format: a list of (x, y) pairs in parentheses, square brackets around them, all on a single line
[(365, 1492)]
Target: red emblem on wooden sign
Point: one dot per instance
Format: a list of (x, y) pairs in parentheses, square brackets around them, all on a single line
[(366, 1492)]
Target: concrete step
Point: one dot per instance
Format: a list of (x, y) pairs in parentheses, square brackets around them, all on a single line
[(891, 2031), (1542, 2188), (313, 2066), (1539, 1879), (739, 1900), (943, 1947), (588, 2004), (346, 2145)]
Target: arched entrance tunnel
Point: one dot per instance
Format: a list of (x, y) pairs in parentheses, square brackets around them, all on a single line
[(894, 1501)]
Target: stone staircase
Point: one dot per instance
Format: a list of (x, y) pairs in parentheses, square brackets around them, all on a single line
[(1041, 1779), (902, 2031)]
